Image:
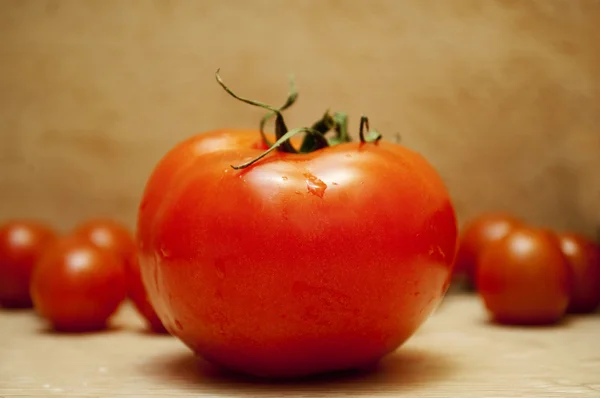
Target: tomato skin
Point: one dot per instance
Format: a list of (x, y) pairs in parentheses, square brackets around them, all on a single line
[(21, 244), (180, 158), (524, 278), (78, 286), (277, 269), (583, 257), (476, 235), (110, 235)]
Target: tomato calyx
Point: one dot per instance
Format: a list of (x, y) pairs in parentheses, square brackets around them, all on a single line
[(314, 138)]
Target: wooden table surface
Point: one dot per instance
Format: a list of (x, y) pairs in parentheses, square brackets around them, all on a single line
[(457, 353)]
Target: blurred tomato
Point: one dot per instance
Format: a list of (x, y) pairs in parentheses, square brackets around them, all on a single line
[(584, 258), (476, 235), (524, 278), (21, 244), (113, 236), (77, 286), (109, 235)]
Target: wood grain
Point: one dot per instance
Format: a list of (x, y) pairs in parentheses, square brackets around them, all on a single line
[(455, 354)]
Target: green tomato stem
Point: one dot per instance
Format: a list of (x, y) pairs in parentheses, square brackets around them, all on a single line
[(291, 99), (373, 136), (280, 142), (280, 127), (315, 136)]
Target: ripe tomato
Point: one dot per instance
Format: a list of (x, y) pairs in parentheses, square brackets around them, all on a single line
[(108, 235), (139, 296), (584, 259), (524, 278), (111, 235), (21, 244), (277, 269), (476, 235), (78, 286)]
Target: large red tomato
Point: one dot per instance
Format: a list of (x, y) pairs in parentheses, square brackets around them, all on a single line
[(299, 263), (22, 242)]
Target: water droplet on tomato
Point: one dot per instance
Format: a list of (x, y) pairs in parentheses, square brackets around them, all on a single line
[(178, 325), (315, 185), (220, 269), (165, 253)]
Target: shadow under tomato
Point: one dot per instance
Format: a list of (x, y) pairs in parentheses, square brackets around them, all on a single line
[(404, 370), (147, 331), (16, 309), (563, 322), (48, 329)]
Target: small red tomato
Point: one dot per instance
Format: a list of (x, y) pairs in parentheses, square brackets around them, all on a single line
[(109, 235), (476, 235), (584, 258), (21, 244), (113, 236), (137, 293), (524, 278), (77, 286)]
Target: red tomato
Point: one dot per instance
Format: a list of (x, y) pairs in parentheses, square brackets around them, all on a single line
[(21, 244), (108, 235), (77, 286), (300, 263), (524, 278), (113, 236), (476, 235), (584, 258), (139, 296)]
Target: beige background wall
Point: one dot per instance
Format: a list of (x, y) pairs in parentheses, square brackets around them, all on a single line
[(502, 96)]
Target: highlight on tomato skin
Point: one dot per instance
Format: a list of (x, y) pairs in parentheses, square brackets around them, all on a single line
[(22, 242), (107, 234), (76, 286), (475, 235), (583, 256), (113, 236), (524, 279)]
